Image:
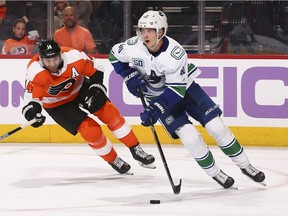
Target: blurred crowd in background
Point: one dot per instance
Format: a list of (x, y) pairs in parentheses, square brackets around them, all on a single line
[(210, 27)]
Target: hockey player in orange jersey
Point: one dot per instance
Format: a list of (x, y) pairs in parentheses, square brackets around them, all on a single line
[(57, 80)]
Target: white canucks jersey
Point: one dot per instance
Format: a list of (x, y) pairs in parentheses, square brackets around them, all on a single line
[(166, 69)]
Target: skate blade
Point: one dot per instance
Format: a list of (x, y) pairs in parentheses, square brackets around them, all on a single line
[(127, 173), (149, 166), (233, 187), (262, 183)]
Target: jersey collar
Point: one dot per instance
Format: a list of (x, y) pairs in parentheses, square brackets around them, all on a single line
[(163, 48)]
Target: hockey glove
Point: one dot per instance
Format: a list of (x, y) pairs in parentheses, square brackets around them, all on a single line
[(33, 111), (151, 114), (133, 82), (96, 97)]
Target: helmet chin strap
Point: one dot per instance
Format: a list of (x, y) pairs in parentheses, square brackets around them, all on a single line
[(158, 39)]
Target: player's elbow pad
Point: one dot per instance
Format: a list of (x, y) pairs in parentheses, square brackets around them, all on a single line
[(121, 68)]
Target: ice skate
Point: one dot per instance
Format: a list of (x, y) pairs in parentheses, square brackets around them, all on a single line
[(144, 159), (120, 166), (224, 180), (254, 174)]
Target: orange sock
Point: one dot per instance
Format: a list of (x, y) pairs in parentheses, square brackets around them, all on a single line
[(92, 133), (130, 139), (110, 115)]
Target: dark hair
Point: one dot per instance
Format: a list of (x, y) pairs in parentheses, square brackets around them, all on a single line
[(19, 20)]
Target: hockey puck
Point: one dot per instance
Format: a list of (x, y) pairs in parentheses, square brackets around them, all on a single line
[(154, 201)]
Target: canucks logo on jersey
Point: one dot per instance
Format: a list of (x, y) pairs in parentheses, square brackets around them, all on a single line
[(177, 52), (153, 78), (132, 41)]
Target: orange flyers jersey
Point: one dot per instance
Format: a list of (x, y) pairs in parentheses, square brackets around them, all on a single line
[(57, 89), (24, 46), (80, 39)]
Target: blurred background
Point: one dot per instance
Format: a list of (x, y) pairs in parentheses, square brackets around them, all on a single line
[(210, 27)]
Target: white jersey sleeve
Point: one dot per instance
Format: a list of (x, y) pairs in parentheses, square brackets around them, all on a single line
[(122, 52)]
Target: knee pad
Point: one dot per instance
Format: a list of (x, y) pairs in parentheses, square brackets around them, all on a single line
[(192, 140), (91, 132), (227, 142), (110, 115), (219, 131)]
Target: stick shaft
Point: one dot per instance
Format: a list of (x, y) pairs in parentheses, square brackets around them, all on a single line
[(176, 188), (18, 129)]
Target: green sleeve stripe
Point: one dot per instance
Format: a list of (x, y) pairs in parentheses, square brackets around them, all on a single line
[(180, 90), (112, 58), (191, 67)]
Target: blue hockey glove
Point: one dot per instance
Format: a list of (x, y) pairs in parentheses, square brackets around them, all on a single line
[(133, 82), (96, 97), (33, 111), (151, 114)]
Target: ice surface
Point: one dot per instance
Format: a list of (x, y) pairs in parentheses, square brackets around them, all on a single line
[(69, 179)]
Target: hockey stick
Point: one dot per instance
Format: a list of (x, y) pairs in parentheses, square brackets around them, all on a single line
[(18, 129), (176, 188)]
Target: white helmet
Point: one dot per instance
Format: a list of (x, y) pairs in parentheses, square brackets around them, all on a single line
[(154, 19)]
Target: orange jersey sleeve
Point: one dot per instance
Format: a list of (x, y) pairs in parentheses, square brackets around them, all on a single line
[(80, 39), (57, 89), (23, 46)]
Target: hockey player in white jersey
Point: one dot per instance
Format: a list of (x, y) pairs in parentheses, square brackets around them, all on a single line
[(157, 64)]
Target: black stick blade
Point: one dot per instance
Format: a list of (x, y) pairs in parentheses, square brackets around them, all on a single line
[(177, 188)]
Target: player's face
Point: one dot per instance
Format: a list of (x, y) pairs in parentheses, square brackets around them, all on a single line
[(150, 38), (52, 63), (19, 30)]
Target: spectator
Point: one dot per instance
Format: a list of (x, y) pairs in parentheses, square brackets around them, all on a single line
[(84, 11), (3, 10), (20, 43), (73, 35), (58, 16), (242, 34)]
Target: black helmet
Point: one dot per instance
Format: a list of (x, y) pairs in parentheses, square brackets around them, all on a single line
[(48, 48)]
